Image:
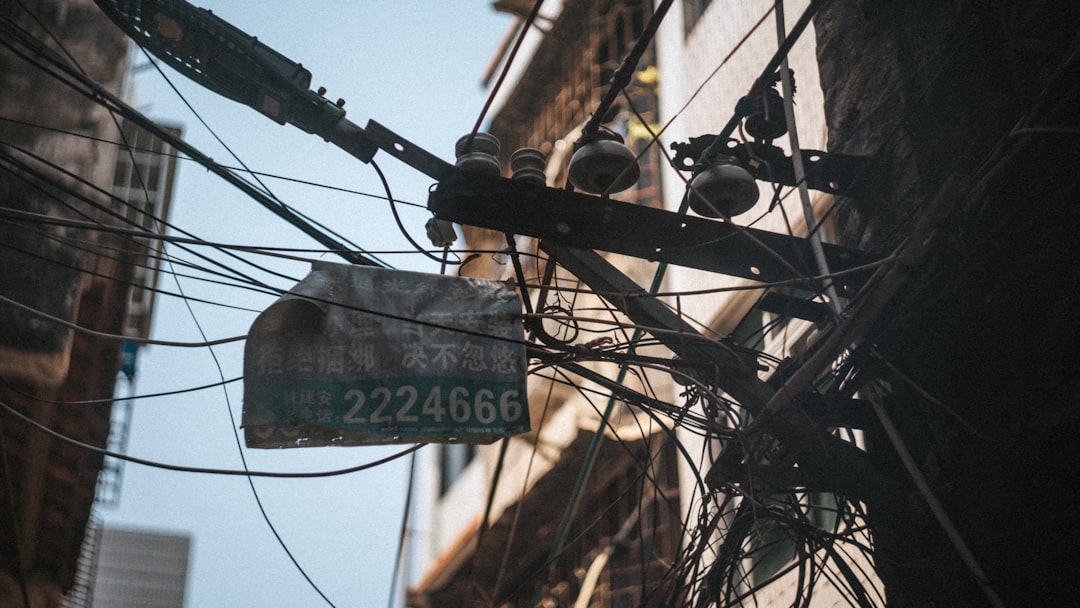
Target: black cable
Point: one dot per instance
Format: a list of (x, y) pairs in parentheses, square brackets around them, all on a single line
[(79, 196), (183, 157), (117, 337), (535, 352), (125, 282), (621, 78), (246, 169), (397, 218), (251, 284), (243, 459), (403, 537), (202, 470), (95, 248), (267, 250), (767, 73), (124, 145), (506, 70), (48, 31), (97, 94), (644, 468), (112, 399)]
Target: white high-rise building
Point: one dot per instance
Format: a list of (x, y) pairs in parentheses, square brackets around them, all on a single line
[(140, 568)]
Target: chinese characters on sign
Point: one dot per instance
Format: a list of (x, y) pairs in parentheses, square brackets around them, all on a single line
[(356, 355)]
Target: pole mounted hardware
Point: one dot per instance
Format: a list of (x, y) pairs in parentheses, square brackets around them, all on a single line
[(212, 52), (592, 222), (231, 63), (833, 172)]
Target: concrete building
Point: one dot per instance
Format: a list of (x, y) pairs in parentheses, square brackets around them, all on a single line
[(57, 167), (472, 550), (883, 446), (710, 55), (139, 568), (687, 84)]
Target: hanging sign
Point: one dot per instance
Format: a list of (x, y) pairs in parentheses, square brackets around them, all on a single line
[(358, 355)]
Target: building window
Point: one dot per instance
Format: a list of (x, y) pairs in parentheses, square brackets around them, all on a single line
[(453, 458), (692, 12)]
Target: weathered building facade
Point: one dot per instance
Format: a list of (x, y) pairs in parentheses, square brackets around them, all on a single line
[(620, 519), (66, 287), (905, 442)]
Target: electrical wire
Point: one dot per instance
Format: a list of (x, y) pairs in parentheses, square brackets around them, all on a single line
[(125, 282), (797, 164), (79, 69), (182, 391), (27, 170), (265, 250), (93, 248), (770, 68), (246, 169), (126, 256), (520, 504), (855, 270), (243, 461), (180, 344), (285, 178), (625, 72), (117, 337), (88, 225), (724, 61), (11, 411), (403, 536), (94, 92), (640, 477), (397, 218), (529, 20)]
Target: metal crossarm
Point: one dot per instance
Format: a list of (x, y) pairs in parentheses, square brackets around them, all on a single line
[(591, 222)]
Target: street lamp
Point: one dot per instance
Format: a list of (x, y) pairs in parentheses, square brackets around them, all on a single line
[(224, 59)]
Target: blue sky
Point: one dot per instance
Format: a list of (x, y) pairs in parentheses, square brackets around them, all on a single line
[(415, 67)]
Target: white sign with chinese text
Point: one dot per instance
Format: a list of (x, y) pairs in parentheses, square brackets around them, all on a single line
[(357, 355)]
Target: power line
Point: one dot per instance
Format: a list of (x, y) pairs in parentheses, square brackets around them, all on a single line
[(11, 411), (117, 337), (24, 170), (529, 20), (183, 157), (397, 219), (181, 391), (246, 169), (129, 282), (93, 91)]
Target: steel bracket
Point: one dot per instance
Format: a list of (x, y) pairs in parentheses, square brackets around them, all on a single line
[(832, 172), (592, 222)]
